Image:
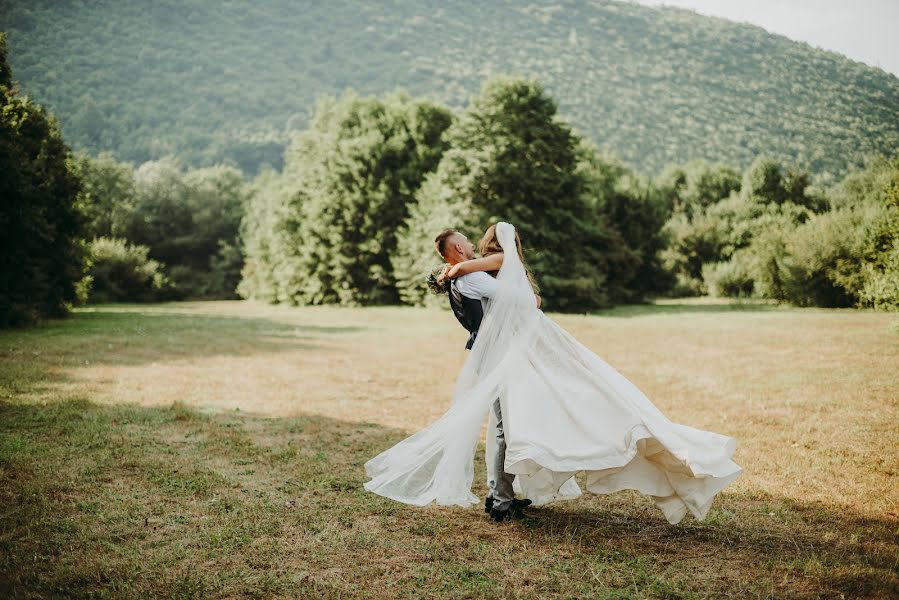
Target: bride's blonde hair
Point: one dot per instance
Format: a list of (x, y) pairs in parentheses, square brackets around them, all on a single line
[(489, 244)]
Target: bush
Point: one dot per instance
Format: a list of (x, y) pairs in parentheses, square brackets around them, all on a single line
[(189, 221), (219, 281), (881, 287), (881, 270), (729, 279), (268, 196), (763, 260), (692, 243), (122, 272), (823, 262), (847, 257)]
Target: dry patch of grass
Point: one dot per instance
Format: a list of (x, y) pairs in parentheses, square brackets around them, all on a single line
[(216, 450)]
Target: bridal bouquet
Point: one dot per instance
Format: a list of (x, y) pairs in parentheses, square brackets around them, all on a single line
[(435, 285)]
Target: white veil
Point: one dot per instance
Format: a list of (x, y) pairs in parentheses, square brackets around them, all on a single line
[(564, 410)]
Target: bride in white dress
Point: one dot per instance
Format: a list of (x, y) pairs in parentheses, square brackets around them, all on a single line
[(564, 410)]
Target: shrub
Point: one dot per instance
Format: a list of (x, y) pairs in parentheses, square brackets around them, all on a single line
[(729, 279), (122, 272), (881, 282), (881, 270), (823, 262)]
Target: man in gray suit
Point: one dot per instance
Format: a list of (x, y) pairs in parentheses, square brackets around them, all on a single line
[(468, 295)]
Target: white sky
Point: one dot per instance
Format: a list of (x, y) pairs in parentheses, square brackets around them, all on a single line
[(863, 30)]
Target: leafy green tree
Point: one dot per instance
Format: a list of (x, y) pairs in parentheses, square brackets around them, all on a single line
[(881, 270), (217, 197), (706, 234), (41, 256), (512, 159), (690, 188), (692, 243), (190, 222), (821, 267), (261, 234), (757, 267), (107, 194), (839, 258), (162, 219), (351, 178), (868, 201), (731, 278), (766, 182), (696, 236), (782, 244), (636, 209)]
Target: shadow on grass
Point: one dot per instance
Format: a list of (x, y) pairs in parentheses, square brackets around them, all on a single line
[(126, 489), (135, 501), (161, 319), (836, 550)]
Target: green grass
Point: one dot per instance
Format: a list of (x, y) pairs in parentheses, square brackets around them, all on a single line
[(216, 450)]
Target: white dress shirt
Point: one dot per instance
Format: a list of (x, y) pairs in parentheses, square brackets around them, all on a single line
[(477, 286)]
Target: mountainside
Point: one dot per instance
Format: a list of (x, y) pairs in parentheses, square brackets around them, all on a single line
[(228, 81)]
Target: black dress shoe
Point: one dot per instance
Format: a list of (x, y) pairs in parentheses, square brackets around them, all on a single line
[(488, 504), (515, 511), (500, 515)]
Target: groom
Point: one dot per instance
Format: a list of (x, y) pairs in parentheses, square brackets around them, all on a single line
[(468, 294)]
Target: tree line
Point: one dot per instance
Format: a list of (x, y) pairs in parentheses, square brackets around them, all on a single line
[(597, 233), (351, 216)]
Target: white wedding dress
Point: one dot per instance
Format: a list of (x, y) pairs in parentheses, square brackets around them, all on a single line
[(564, 410)]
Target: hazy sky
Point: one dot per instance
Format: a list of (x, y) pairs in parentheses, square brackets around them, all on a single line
[(863, 30)]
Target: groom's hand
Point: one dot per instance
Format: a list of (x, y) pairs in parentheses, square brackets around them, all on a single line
[(453, 271), (442, 277)]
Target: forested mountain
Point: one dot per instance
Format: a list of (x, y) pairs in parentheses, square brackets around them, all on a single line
[(228, 81)]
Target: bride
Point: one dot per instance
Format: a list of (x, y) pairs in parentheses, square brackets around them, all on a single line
[(564, 410)]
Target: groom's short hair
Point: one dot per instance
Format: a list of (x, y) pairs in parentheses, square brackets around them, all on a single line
[(440, 240)]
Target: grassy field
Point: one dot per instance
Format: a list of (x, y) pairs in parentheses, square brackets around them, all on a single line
[(216, 450)]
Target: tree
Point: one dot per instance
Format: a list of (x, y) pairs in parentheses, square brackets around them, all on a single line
[(694, 234), (190, 222), (41, 256), (268, 196), (634, 207), (712, 237), (350, 179), (511, 159), (880, 287), (690, 188), (107, 194), (766, 182), (162, 218)]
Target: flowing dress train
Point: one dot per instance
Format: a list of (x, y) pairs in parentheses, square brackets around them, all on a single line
[(565, 410)]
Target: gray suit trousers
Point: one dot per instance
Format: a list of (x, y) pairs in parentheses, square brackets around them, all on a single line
[(501, 486)]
